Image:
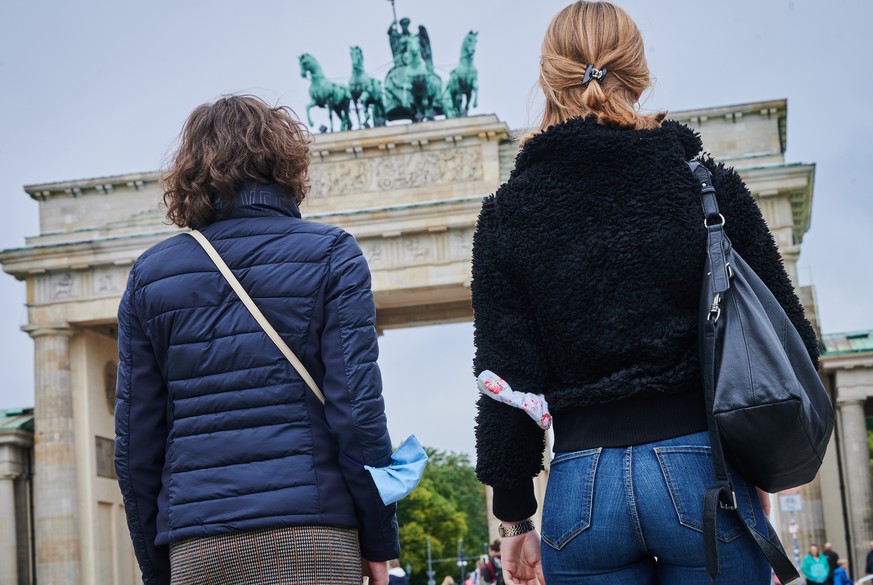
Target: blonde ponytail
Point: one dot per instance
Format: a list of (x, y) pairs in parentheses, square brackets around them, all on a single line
[(601, 35), (593, 97)]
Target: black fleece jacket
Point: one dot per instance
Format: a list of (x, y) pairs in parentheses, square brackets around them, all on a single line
[(587, 268)]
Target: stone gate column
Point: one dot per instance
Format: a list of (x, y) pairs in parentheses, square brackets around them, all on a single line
[(56, 487), (857, 472), (810, 518), (8, 529)]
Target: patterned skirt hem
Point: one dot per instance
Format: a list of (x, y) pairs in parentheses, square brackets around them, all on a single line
[(298, 555)]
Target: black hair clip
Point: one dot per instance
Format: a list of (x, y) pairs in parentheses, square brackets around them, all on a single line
[(592, 72)]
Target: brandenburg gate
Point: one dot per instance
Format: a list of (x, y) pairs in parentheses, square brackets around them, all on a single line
[(409, 193)]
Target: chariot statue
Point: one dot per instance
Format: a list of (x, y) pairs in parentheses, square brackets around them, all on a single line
[(413, 90)]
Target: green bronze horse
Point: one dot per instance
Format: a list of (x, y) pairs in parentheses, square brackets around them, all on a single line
[(463, 85), (325, 93), (366, 92)]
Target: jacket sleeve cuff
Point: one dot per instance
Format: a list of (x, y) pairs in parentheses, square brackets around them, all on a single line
[(513, 505), (383, 554), (383, 546)]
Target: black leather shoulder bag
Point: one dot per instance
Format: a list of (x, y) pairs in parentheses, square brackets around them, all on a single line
[(767, 409)]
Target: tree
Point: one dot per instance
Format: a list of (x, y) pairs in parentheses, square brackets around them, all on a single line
[(870, 449), (448, 504)]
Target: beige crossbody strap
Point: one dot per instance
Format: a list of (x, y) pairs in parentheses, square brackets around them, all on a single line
[(256, 312)]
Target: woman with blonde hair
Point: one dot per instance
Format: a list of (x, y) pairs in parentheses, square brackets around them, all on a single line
[(587, 268)]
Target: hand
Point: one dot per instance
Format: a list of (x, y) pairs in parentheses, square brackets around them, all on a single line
[(765, 501), (376, 571), (520, 556)]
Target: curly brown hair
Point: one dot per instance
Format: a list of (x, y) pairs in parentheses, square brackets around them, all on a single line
[(238, 138)]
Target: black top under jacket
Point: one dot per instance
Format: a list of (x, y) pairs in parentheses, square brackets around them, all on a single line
[(587, 268)]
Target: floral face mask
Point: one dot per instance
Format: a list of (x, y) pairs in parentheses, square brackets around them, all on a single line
[(535, 405)]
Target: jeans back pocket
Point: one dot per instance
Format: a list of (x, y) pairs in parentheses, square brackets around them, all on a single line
[(688, 472), (569, 496)]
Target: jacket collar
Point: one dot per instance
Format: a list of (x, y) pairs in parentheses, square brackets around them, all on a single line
[(585, 139), (254, 200)]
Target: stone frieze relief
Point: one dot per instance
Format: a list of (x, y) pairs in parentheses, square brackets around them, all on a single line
[(418, 249), (63, 285), (395, 172), (73, 285)]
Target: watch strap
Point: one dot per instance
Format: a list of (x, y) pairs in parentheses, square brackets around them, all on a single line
[(515, 529)]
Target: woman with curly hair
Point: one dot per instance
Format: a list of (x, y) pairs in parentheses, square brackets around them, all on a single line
[(231, 468)]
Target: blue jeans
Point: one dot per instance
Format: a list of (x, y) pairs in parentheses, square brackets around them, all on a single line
[(632, 516)]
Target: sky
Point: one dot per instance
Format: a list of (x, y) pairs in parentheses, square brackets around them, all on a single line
[(93, 88)]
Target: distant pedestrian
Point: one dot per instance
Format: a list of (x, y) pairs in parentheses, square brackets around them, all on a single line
[(833, 557), (493, 571), (396, 574), (475, 577), (868, 569), (815, 566), (841, 574)]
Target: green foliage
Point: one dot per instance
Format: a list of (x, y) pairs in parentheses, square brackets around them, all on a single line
[(448, 504), (870, 449)]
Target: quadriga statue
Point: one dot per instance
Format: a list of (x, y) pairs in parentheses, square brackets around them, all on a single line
[(412, 89)]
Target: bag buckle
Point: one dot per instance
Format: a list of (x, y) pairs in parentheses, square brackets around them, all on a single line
[(714, 225), (731, 505), (715, 309)]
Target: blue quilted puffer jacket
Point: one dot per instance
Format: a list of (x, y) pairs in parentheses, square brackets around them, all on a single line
[(215, 431)]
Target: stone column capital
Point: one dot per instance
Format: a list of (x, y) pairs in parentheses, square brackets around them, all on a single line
[(36, 331)]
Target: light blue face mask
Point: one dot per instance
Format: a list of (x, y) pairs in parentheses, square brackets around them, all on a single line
[(399, 478)]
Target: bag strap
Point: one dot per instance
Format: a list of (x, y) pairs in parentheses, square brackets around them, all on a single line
[(717, 266), (256, 312), (714, 222), (722, 495)]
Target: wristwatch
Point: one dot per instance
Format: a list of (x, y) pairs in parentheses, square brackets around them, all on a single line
[(515, 529)]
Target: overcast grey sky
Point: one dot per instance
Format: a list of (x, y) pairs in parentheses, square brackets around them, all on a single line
[(92, 88)]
